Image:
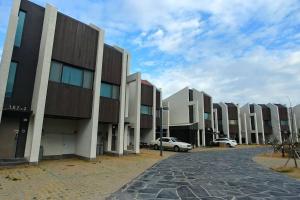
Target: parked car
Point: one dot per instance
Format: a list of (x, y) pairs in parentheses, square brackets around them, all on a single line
[(171, 143), (226, 141)]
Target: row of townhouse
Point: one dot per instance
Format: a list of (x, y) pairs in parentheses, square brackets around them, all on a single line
[(191, 116), (64, 92)]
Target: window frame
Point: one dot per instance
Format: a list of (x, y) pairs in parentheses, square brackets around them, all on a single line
[(14, 79), (18, 42)]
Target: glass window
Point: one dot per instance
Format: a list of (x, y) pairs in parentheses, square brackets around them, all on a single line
[(115, 92), (110, 91), (106, 90), (146, 110), (55, 71), (88, 79), (233, 122), (72, 76), (207, 116), (20, 27), (11, 79), (284, 123)]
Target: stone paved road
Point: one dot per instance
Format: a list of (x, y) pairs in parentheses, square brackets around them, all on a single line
[(211, 175)]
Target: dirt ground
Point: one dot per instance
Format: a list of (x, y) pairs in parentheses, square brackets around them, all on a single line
[(276, 163), (75, 178)]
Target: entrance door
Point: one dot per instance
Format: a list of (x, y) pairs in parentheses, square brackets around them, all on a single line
[(114, 139), (9, 130), (21, 137), (253, 138)]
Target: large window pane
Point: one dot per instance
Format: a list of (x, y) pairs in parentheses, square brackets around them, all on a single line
[(55, 71), (11, 79), (116, 92), (72, 76), (88, 79), (106, 90), (207, 116), (20, 27), (146, 110)]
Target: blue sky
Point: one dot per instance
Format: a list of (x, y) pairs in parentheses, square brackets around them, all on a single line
[(236, 50)]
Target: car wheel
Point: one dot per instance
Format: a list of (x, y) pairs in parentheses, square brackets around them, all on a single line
[(156, 147), (176, 149)]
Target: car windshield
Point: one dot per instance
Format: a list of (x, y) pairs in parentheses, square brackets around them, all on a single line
[(175, 140)]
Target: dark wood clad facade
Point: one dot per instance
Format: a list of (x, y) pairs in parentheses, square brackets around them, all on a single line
[(283, 116), (109, 110), (147, 95), (112, 74), (111, 65), (266, 113), (207, 109), (158, 99), (27, 56), (75, 43), (207, 104), (146, 121), (68, 101), (251, 108), (232, 111)]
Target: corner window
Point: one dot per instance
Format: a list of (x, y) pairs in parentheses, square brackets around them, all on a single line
[(71, 75), (110, 91), (207, 116), (11, 79), (55, 71), (88, 79), (20, 27), (284, 123), (146, 110)]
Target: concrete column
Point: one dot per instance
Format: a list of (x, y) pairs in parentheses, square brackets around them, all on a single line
[(88, 129), (120, 136), (153, 131), (109, 137), (256, 129), (239, 123), (41, 85), (8, 50), (203, 138), (137, 130), (198, 138), (246, 128)]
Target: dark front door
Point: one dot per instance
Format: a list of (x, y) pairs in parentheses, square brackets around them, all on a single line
[(114, 139), (253, 138), (21, 137)]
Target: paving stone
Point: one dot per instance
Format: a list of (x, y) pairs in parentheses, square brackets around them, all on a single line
[(230, 174)]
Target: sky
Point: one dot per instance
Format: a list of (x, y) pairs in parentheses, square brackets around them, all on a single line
[(235, 50)]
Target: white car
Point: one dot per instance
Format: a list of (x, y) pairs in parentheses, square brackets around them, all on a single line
[(226, 141), (171, 143)]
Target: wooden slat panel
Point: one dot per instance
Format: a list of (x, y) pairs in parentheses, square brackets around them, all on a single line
[(75, 43), (146, 121), (158, 99), (232, 113), (68, 101), (109, 110), (207, 104), (147, 95), (112, 65), (208, 124)]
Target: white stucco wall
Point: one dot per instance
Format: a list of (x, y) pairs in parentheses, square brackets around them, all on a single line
[(275, 121), (178, 107)]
